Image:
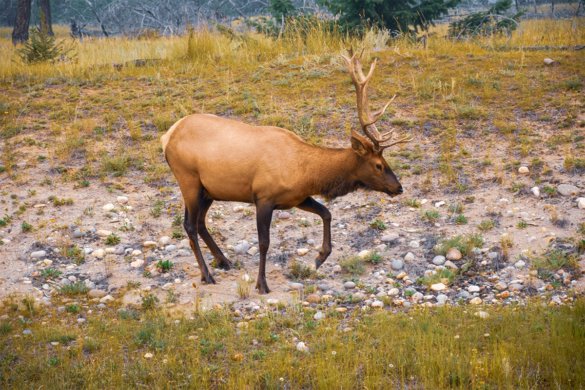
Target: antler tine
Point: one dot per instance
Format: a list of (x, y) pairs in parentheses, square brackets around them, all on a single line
[(401, 140)]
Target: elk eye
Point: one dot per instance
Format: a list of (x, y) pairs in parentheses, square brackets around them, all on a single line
[(379, 167)]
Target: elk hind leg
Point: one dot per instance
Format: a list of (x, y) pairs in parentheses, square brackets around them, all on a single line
[(190, 224), (204, 205)]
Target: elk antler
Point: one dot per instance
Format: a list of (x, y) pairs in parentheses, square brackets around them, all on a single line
[(368, 119)]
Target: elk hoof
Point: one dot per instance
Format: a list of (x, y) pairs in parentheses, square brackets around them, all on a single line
[(225, 264), (207, 279), (262, 287)]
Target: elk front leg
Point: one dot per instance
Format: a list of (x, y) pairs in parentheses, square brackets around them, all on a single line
[(312, 206), (263, 219), (222, 261)]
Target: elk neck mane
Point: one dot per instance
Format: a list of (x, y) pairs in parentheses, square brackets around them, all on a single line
[(332, 170)]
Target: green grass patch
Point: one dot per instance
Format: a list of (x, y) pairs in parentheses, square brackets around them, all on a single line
[(464, 243)]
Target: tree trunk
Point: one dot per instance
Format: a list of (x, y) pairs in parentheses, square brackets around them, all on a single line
[(45, 17), (21, 22)]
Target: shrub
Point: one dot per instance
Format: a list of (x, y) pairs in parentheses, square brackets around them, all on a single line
[(353, 265), (43, 47), (485, 23)]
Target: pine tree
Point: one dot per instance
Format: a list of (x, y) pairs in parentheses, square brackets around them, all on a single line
[(406, 16)]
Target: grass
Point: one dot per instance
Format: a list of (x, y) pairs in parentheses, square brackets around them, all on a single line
[(444, 276), (112, 239), (301, 271), (353, 265), (74, 289), (164, 266), (465, 243), (447, 347)]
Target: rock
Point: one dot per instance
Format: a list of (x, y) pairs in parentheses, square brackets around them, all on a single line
[(252, 251), (417, 297), (567, 190), (103, 232), (272, 301), (481, 314), (439, 204), (535, 191), (106, 299), (27, 332), (492, 255), (473, 289), (341, 309), (242, 247), (476, 301), (47, 262), (38, 254), (442, 299), (549, 61), (284, 215), (519, 264), (149, 244), (393, 292), (453, 254), (414, 244), (439, 260), (122, 199), (136, 252), (164, 240), (363, 254), (390, 237), (170, 248), (319, 315), (296, 286), (438, 287), (302, 251), (449, 264), (148, 355), (409, 257), (349, 285), (401, 275), (80, 321), (523, 170), (137, 263), (95, 293), (72, 278), (313, 298), (377, 304), (302, 347), (397, 264), (99, 253), (501, 286), (108, 207), (515, 287), (581, 203), (242, 325), (184, 252)]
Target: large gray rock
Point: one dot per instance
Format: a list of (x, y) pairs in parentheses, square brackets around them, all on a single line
[(567, 189)]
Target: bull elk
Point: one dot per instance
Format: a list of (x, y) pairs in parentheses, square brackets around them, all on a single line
[(215, 158)]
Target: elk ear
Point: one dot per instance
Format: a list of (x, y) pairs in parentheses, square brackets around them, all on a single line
[(360, 147)]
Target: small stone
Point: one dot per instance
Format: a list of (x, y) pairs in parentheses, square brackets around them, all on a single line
[(476, 301), (242, 325), (47, 262), (149, 244), (319, 315), (567, 190), (137, 263), (136, 252), (38, 254), (473, 289), (439, 260), (170, 248), (442, 299), (272, 301), (81, 320), (454, 254), (98, 253), (393, 292), (481, 314), (438, 287), (390, 237), (377, 304), (313, 298), (439, 204), (523, 170), (515, 287), (106, 299), (519, 264), (449, 264), (27, 332), (492, 255), (95, 293), (252, 251), (504, 295), (401, 275), (302, 347), (242, 247), (122, 199), (349, 285), (341, 309), (296, 286), (417, 297), (148, 355), (549, 61), (302, 251), (108, 207), (409, 257), (103, 232), (183, 252), (501, 286), (581, 203), (363, 254), (284, 215), (535, 191), (164, 240), (397, 264), (414, 244)]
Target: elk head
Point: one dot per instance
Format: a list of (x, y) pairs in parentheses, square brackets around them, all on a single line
[(373, 172)]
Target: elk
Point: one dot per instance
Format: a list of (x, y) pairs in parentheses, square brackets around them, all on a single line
[(215, 158)]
